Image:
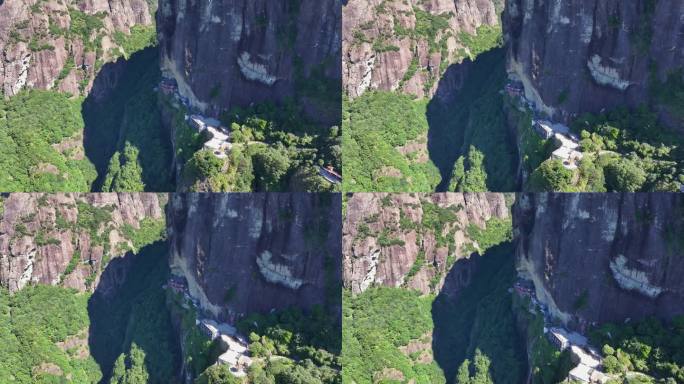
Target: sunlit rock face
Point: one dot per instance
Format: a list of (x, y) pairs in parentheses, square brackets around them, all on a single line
[(237, 52), (35, 52), (272, 251), (377, 56), (370, 262), (586, 55), (43, 238), (603, 257)]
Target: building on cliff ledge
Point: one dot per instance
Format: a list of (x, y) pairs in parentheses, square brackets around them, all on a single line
[(330, 175)]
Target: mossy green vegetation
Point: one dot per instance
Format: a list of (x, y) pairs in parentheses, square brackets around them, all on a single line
[(476, 325), (34, 324), (274, 148), (487, 37), (650, 346), (625, 151), (40, 134), (375, 325), (375, 126), (139, 38), (548, 364)]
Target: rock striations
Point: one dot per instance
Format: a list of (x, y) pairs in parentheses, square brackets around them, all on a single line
[(271, 251), (62, 44), (586, 55), (67, 239), (603, 257), (234, 53), (406, 45), (412, 240)]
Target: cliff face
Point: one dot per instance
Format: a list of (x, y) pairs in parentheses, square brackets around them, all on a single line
[(234, 53), (61, 44), (385, 41), (586, 55), (68, 239), (603, 257), (243, 253), (412, 240)]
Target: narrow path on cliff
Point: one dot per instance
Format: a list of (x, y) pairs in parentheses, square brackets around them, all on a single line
[(467, 110), (474, 311)]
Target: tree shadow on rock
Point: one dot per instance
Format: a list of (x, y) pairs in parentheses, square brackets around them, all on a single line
[(467, 109), (474, 311), (128, 308), (123, 107)]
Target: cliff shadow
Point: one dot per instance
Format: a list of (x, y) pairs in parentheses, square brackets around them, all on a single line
[(128, 308), (122, 107), (467, 110), (474, 311)]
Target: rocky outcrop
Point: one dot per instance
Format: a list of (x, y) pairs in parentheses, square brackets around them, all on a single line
[(61, 44), (588, 55), (228, 54), (242, 253), (603, 257), (68, 239), (407, 45), (412, 240)]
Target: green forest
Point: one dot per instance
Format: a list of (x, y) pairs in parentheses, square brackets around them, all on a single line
[(478, 326), (625, 150), (274, 148)]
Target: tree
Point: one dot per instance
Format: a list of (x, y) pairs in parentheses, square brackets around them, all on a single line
[(124, 174), (482, 364), (217, 374), (475, 179), (130, 369), (463, 375), (457, 176), (625, 175), (113, 170), (270, 165), (551, 176)]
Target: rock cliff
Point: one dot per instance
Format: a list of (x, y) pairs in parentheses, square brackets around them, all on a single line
[(242, 253), (588, 55), (413, 240), (234, 53), (603, 257), (62, 44), (68, 239), (407, 45)]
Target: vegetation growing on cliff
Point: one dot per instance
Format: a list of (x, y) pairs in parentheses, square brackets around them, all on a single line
[(294, 347), (649, 346), (375, 325), (625, 150), (44, 334), (40, 149), (274, 148), (397, 335), (376, 128)]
